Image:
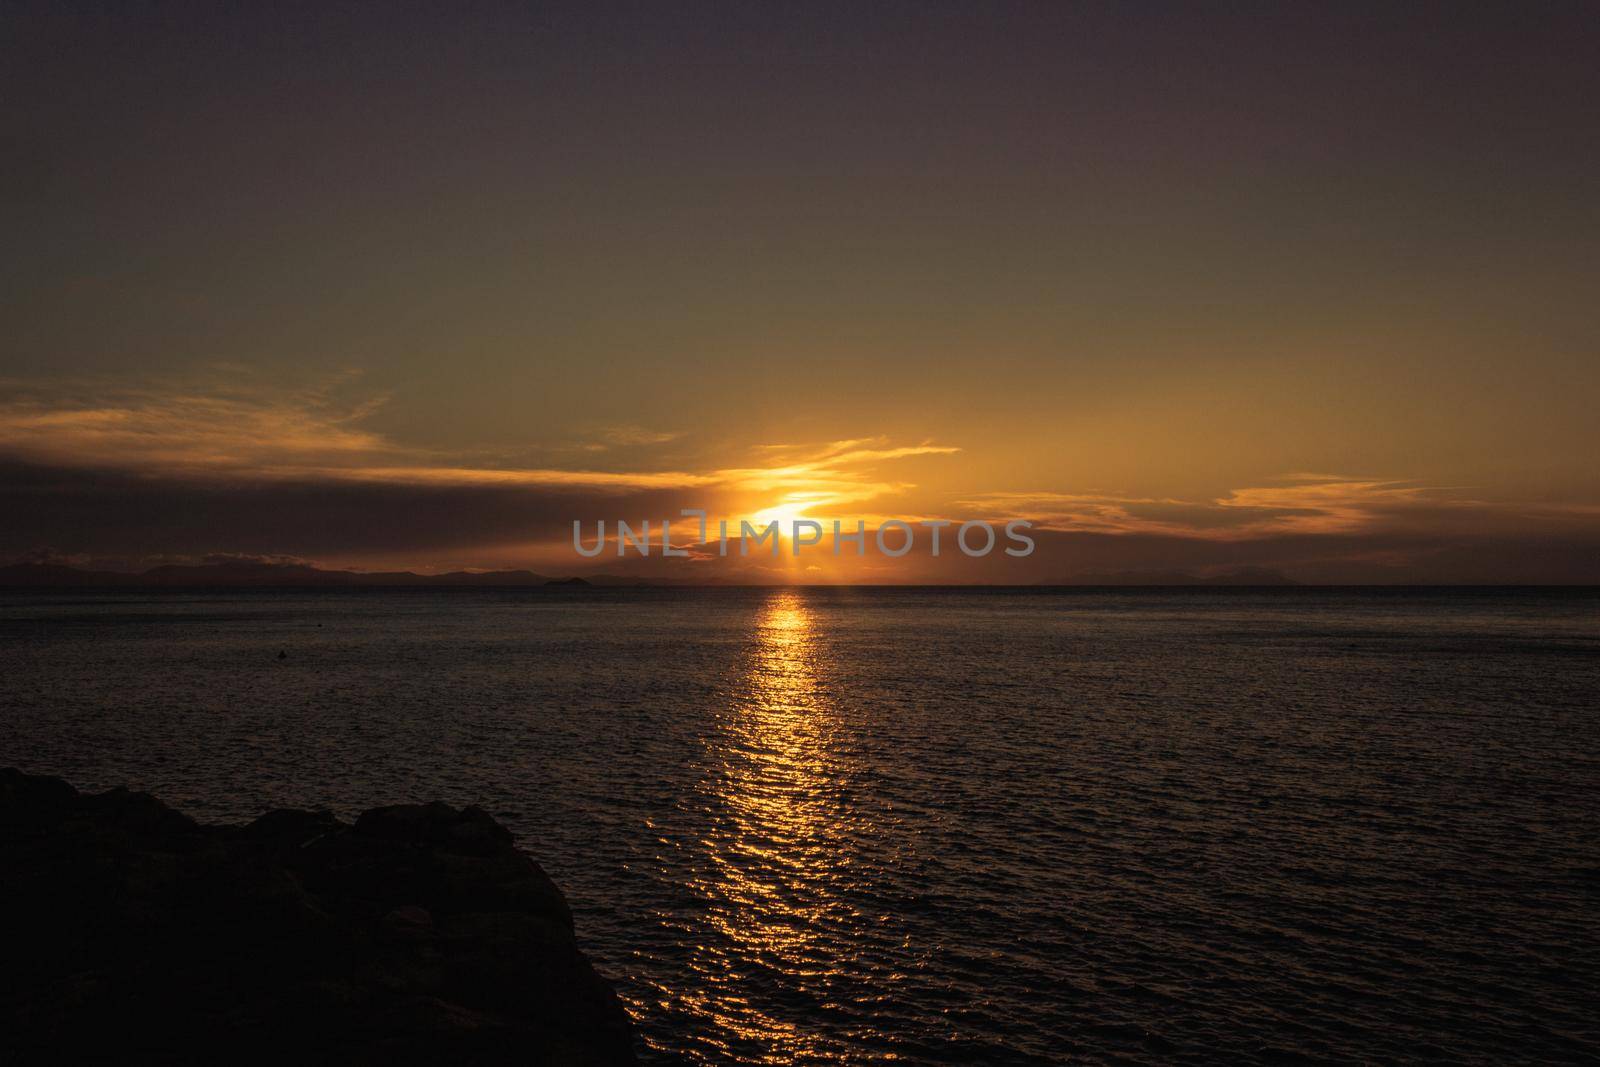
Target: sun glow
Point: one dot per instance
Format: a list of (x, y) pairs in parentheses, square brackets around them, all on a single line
[(784, 514)]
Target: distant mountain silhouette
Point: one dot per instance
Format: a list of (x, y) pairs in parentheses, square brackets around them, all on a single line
[(56, 575), (1234, 577), (628, 579), (250, 573)]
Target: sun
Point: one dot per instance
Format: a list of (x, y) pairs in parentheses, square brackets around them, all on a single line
[(783, 514)]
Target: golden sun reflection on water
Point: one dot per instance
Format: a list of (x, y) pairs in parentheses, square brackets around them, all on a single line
[(777, 781)]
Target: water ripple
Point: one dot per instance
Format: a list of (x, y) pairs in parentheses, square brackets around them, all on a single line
[(943, 827)]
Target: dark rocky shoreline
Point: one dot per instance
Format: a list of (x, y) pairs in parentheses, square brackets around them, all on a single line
[(417, 934)]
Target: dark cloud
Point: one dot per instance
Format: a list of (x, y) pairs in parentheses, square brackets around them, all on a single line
[(116, 514)]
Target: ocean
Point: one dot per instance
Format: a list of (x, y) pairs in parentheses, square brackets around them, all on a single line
[(933, 825)]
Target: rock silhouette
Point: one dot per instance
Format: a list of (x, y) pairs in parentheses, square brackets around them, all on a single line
[(419, 934)]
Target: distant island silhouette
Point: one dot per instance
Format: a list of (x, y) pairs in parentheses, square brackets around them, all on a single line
[(254, 574), (1236, 576), (238, 574)]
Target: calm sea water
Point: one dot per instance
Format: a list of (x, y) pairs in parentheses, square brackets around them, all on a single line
[(939, 826)]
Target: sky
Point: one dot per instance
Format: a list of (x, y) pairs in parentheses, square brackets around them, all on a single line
[(1304, 287)]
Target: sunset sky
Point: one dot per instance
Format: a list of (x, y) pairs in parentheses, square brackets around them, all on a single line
[(1193, 287)]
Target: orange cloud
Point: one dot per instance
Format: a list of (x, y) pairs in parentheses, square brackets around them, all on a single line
[(240, 429), (1304, 503), (184, 429)]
